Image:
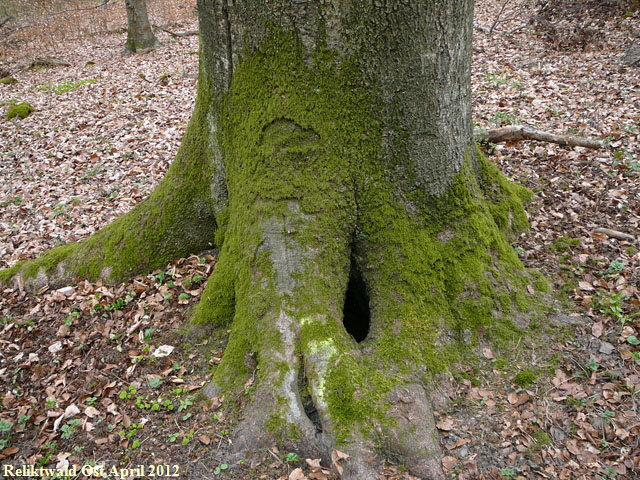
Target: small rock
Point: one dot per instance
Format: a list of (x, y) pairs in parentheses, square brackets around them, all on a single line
[(606, 348), (66, 291), (163, 351), (557, 434)]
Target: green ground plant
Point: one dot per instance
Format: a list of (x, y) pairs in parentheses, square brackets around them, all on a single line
[(64, 87)]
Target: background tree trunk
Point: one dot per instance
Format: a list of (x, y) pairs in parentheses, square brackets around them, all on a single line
[(363, 239), (140, 37)]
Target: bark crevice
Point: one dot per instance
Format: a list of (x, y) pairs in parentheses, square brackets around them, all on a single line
[(308, 404)]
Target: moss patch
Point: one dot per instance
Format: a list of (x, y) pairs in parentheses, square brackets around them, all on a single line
[(541, 439), (8, 81), (20, 110), (565, 244), (524, 378)]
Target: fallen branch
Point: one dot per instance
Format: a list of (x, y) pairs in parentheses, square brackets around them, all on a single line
[(4, 20), (178, 34), (515, 133), (48, 62), (497, 20), (615, 234), (482, 28)]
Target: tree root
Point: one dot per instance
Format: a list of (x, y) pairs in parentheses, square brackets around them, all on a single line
[(176, 220), (310, 392)]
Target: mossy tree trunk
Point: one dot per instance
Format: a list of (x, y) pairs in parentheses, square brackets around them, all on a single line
[(363, 239), (140, 37)]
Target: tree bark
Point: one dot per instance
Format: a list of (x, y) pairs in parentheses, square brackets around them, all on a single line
[(363, 239), (140, 37)]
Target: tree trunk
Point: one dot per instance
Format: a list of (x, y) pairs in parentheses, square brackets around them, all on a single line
[(363, 238), (140, 37)]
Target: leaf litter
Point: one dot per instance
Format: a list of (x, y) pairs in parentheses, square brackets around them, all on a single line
[(103, 373)]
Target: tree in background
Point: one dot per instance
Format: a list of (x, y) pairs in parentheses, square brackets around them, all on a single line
[(140, 37), (363, 240)]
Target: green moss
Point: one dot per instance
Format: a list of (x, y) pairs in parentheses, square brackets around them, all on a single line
[(7, 81), (47, 262), (541, 440), (565, 244), (524, 378), (540, 283), (283, 431), (7, 274), (273, 124), (460, 257), (21, 110)]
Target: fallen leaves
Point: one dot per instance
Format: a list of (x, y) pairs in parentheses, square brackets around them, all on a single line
[(337, 457)]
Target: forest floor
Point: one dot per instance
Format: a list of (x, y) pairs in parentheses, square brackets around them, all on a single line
[(98, 374)]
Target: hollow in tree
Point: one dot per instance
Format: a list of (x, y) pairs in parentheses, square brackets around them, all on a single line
[(363, 240)]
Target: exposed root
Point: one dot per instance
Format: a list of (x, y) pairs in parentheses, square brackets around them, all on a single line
[(176, 220)]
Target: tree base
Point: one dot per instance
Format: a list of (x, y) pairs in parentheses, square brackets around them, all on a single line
[(439, 286)]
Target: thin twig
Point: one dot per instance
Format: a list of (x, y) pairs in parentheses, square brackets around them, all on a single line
[(104, 2), (497, 20), (178, 34), (274, 456)]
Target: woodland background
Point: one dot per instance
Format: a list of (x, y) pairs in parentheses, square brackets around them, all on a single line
[(85, 371)]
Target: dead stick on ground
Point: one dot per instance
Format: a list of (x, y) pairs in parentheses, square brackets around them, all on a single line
[(615, 234), (517, 133), (178, 34)]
